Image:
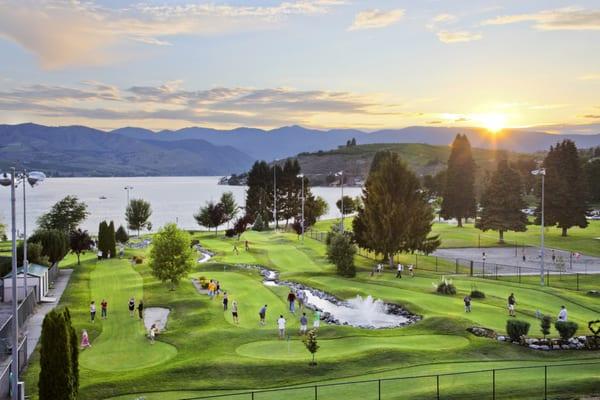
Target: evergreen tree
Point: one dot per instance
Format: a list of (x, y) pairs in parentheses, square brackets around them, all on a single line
[(112, 242), (502, 203), (56, 378), (340, 252), (565, 194), (396, 216), (258, 195), (592, 173), (289, 188), (103, 245), (310, 342), (459, 190), (74, 347), (121, 235), (230, 207)]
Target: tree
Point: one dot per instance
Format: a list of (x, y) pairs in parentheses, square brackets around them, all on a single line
[(545, 325), (74, 344), (396, 216), (340, 252), (565, 195), (289, 190), (241, 225), (34, 253), (137, 214), (171, 256), (103, 244), (592, 173), (111, 239), (65, 215), (459, 190), (349, 205), (121, 235), (259, 199), (230, 207), (80, 242), (502, 203), (57, 380), (2, 231), (211, 215), (310, 341), (319, 207), (55, 243)]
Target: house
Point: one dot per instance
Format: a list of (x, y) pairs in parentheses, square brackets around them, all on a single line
[(37, 278)]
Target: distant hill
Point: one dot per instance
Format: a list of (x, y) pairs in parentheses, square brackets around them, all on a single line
[(82, 151), (355, 161), (290, 140)]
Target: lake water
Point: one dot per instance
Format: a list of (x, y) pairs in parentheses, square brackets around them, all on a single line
[(173, 199)]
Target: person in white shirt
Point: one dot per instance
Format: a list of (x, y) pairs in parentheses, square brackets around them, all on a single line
[(281, 326), (400, 269), (562, 315)]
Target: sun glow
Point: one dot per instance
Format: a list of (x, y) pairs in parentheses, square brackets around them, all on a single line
[(492, 122)]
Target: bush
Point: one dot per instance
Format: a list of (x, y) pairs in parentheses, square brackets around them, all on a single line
[(566, 329), (340, 252), (194, 242), (446, 287), (138, 259), (545, 325), (259, 224), (516, 329), (477, 294), (230, 233), (203, 282)]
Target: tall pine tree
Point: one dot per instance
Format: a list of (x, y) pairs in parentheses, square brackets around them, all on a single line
[(396, 216), (565, 192), (258, 195), (459, 191), (111, 239), (502, 203)]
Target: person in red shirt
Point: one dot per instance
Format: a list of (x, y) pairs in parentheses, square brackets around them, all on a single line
[(104, 308)]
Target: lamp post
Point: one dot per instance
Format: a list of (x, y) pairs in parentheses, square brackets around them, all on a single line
[(542, 172), (301, 176), (128, 188), (6, 180), (33, 178), (341, 175), (275, 195)]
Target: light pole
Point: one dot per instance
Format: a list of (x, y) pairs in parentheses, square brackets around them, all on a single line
[(275, 195), (127, 188), (301, 176), (9, 180), (542, 172), (341, 175), (33, 178)]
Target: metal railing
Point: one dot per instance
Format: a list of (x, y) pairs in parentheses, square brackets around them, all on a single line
[(539, 381)]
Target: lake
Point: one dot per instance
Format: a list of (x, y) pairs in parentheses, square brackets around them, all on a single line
[(173, 199)]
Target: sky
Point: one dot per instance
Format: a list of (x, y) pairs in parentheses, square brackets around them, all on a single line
[(376, 64)]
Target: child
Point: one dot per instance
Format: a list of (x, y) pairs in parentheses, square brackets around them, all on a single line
[(467, 301), (141, 309), (303, 324), (234, 312), (92, 311), (281, 325), (85, 340), (411, 270), (131, 306), (262, 314), (225, 301), (317, 320)]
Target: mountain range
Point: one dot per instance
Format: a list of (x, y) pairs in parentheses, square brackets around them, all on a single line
[(84, 151)]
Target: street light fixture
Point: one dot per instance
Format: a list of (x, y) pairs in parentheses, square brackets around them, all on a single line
[(542, 172), (341, 175), (301, 176), (6, 180), (128, 188)]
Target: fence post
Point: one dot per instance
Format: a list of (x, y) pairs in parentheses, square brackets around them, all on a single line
[(437, 385), (548, 275), (379, 388), (316, 394), (252, 396), (416, 260), (577, 281), (545, 382), (519, 274), (436, 263), (470, 265), (496, 271), (493, 384)]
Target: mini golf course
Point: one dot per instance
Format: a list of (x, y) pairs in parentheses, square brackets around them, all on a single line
[(203, 352)]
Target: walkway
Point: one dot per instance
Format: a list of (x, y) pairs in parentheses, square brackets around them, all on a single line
[(33, 324)]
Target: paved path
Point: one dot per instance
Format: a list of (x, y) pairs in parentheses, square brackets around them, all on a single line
[(33, 324)]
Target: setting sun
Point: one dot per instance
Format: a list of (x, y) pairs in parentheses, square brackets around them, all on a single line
[(492, 122)]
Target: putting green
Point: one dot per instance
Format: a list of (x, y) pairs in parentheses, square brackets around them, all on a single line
[(348, 346), (122, 345)]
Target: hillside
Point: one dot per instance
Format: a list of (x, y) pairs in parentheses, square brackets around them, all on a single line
[(82, 151)]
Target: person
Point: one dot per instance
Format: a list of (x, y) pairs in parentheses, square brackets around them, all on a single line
[(291, 298), (235, 249), (217, 288), (399, 273), (281, 325), (524, 257), (553, 256), (131, 306), (152, 333), (234, 312), (108, 255), (225, 301), (300, 298), (511, 305), (411, 270), (379, 268), (99, 255), (483, 257), (303, 324), (121, 252), (85, 340), (104, 308), (92, 310), (317, 319), (562, 315), (246, 246), (467, 301), (141, 309), (211, 289), (262, 314)]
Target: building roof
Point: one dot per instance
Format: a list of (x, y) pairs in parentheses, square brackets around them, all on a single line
[(33, 270)]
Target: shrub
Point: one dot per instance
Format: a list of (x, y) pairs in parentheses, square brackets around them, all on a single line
[(446, 287), (230, 233), (477, 294), (340, 252), (516, 329), (566, 329), (138, 259), (203, 282), (259, 224), (194, 242), (545, 325)]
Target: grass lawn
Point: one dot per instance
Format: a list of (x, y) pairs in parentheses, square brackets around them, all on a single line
[(203, 352)]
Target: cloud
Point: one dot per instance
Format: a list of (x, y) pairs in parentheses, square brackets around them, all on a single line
[(63, 33), (222, 106), (589, 77), (441, 19), (458, 36), (571, 18), (593, 116), (373, 19)]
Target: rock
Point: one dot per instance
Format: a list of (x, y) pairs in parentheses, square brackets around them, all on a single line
[(534, 346), (501, 338), (544, 347)]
